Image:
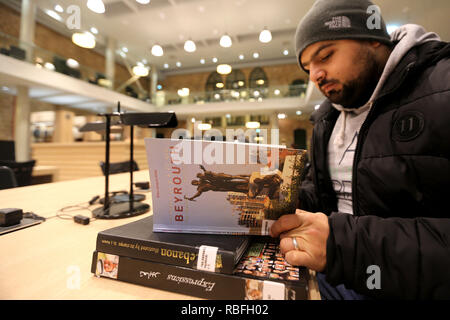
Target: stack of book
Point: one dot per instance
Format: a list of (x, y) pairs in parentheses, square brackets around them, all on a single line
[(208, 238)]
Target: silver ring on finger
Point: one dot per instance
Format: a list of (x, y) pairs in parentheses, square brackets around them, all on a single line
[(295, 243)]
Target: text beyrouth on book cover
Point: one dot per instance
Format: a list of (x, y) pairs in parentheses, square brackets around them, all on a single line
[(203, 186)]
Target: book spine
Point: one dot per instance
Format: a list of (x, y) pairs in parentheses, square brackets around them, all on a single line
[(194, 283), (186, 256)]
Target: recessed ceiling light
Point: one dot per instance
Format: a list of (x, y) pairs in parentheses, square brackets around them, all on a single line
[(140, 71), (54, 15), (214, 59), (241, 57), (178, 64), (94, 30), (298, 112), (281, 116), (49, 66), (256, 55), (276, 92), (59, 9), (96, 5), (202, 61), (285, 52), (183, 92), (166, 65), (72, 63), (143, 1)]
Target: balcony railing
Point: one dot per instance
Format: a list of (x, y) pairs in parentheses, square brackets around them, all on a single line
[(42, 58)]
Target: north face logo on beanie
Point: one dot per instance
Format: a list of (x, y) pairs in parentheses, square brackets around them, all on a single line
[(339, 22)]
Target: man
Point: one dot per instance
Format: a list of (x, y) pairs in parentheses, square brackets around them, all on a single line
[(374, 208)]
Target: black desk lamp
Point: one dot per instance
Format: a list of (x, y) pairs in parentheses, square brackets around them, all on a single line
[(124, 206)]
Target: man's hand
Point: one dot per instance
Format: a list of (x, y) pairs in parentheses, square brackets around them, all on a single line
[(311, 231)]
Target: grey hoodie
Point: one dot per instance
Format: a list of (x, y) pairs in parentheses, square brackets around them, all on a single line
[(342, 144)]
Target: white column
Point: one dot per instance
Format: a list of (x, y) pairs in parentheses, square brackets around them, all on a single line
[(22, 134), (153, 82), (27, 23), (110, 60)]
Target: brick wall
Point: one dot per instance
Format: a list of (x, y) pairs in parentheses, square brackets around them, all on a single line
[(6, 116), (277, 75)]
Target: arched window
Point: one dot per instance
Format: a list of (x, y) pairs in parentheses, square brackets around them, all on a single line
[(258, 83), (236, 80), (297, 87), (213, 87)]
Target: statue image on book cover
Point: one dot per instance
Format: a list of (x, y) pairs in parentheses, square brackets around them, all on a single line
[(243, 191)]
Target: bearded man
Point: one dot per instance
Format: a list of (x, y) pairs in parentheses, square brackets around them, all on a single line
[(373, 215)]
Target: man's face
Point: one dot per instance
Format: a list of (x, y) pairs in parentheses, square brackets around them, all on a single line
[(345, 71)]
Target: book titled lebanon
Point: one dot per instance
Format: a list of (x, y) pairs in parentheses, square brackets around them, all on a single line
[(262, 274), (136, 239), (203, 186)]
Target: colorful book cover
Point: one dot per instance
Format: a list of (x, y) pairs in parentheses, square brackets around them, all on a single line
[(137, 240), (221, 187), (260, 275)]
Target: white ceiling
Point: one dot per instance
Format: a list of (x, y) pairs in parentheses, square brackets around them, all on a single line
[(171, 22)]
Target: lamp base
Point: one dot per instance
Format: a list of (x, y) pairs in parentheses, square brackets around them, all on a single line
[(121, 210), (123, 198)]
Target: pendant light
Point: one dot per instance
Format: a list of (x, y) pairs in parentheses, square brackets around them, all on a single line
[(265, 36), (157, 50), (84, 40), (225, 41), (190, 46), (223, 69), (96, 5)]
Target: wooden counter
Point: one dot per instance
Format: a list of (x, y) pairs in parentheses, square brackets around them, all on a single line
[(52, 260), (82, 159)]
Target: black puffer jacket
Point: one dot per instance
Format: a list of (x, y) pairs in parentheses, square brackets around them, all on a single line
[(400, 184)]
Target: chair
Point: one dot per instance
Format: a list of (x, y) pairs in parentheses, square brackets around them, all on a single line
[(7, 178), (22, 171), (119, 167)]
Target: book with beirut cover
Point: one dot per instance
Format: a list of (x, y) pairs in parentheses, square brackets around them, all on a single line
[(221, 187)]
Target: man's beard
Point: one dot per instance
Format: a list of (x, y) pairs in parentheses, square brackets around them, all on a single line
[(357, 92)]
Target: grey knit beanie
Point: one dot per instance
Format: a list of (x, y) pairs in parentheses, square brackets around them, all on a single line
[(340, 19)]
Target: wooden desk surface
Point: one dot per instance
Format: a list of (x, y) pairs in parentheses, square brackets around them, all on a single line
[(53, 259)]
